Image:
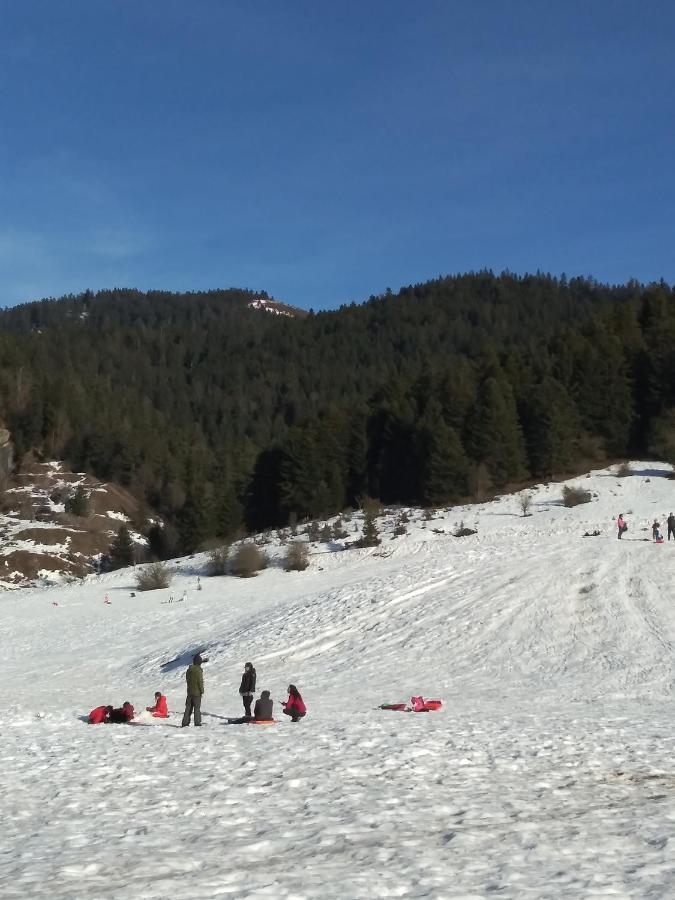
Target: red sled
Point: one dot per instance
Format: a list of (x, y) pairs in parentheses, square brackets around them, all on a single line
[(433, 704)]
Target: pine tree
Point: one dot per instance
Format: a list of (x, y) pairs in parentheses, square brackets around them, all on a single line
[(494, 434), (551, 427), (443, 462), (122, 549)]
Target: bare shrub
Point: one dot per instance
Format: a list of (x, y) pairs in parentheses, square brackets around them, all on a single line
[(574, 496), (326, 534), (525, 504), (248, 561), (624, 470), (218, 560), (404, 518), (399, 530), (371, 507), (297, 557), (153, 577)]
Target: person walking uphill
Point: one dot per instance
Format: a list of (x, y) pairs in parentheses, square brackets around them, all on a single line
[(621, 525), (247, 688), (194, 678)]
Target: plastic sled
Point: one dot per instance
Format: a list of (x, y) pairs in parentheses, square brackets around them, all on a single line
[(263, 722), (396, 707), (433, 704)]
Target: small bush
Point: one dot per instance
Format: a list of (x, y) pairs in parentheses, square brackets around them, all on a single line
[(218, 560), (339, 530), (573, 496), (313, 532), (399, 530), (429, 513), (153, 577), (371, 536), (404, 518), (78, 503), (297, 557), (624, 470), (463, 531), (248, 561), (326, 534), (525, 504)]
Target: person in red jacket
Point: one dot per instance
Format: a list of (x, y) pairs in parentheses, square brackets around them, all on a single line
[(99, 715), (160, 710), (294, 706)]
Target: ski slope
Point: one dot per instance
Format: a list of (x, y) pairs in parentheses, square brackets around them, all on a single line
[(548, 773)]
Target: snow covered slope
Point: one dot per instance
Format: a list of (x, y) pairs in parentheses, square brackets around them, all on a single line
[(548, 773)]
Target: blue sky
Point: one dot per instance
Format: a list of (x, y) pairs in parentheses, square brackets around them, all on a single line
[(326, 151)]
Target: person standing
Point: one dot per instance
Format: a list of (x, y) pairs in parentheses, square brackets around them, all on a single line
[(621, 525), (194, 678), (655, 530), (294, 706), (247, 688), (671, 526)]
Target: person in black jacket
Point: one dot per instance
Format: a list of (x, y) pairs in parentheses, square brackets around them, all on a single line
[(263, 710), (671, 526), (247, 688)]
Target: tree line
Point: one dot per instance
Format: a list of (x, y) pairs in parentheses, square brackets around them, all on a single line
[(222, 417)]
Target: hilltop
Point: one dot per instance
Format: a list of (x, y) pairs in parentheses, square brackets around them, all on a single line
[(549, 767)]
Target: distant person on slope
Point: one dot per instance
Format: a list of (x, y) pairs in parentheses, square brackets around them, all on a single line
[(195, 689), (247, 688), (100, 715), (621, 525), (160, 710), (294, 706), (656, 534), (671, 526)]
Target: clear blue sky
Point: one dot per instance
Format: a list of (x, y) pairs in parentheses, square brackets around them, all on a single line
[(325, 151)]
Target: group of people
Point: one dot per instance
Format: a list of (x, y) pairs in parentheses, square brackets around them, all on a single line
[(657, 534), (263, 711), (111, 716)]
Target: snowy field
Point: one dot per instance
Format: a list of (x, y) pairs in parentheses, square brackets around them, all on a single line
[(549, 773)]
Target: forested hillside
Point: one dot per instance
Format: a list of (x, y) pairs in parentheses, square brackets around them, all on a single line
[(220, 415)]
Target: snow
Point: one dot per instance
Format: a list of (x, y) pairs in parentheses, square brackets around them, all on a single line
[(548, 772), (119, 516)]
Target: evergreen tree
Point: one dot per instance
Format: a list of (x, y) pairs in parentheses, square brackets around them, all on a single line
[(494, 435), (444, 465), (551, 427), (122, 549)]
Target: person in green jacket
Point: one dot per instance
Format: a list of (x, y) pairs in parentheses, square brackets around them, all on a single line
[(195, 688)]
